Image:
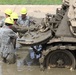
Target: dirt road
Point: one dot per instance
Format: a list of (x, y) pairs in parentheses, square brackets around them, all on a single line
[(33, 10)]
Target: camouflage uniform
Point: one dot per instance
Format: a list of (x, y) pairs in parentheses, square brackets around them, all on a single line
[(2, 22), (23, 22), (6, 39)]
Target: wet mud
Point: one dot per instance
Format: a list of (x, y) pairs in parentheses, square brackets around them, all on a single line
[(25, 66)]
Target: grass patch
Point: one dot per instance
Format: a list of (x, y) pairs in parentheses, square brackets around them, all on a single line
[(34, 2)]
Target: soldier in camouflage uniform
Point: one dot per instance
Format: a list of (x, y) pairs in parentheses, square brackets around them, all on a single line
[(21, 25), (24, 19), (7, 12), (6, 38)]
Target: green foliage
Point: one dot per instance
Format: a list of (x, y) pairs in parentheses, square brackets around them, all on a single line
[(37, 2)]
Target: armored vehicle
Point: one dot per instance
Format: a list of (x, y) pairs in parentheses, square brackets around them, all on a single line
[(57, 35)]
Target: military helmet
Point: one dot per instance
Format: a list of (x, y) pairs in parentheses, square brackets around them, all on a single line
[(23, 11), (9, 20), (14, 15), (8, 11)]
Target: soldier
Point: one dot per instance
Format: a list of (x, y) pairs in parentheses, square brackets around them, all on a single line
[(6, 37), (7, 12), (14, 16), (24, 19), (19, 27), (16, 27)]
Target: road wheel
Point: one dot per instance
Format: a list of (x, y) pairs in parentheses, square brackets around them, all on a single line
[(60, 59)]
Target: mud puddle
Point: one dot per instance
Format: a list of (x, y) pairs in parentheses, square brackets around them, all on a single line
[(19, 68)]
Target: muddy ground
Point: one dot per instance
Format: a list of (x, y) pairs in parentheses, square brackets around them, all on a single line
[(20, 69)]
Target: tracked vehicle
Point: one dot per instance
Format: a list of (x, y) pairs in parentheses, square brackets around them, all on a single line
[(57, 35)]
